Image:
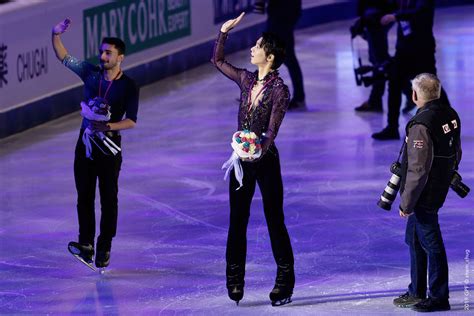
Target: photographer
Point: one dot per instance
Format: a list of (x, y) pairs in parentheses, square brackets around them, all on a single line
[(430, 158), (415, 53), (369, 27)]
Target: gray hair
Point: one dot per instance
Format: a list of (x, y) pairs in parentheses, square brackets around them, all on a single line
[(427, 86)]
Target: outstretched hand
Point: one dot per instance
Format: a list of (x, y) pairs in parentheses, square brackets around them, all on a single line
[(61, 27), (229, 25)]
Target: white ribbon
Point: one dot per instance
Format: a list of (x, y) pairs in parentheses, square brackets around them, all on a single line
[(87, 137), (234, 163)]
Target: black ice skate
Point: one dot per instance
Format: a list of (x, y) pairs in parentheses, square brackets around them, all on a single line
[(102, 260), (235, 282), (82, 252), (283, 289)]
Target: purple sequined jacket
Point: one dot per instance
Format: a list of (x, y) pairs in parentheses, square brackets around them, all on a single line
[(268, 115)]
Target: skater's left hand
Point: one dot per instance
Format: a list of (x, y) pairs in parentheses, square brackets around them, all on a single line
[(99, 126)]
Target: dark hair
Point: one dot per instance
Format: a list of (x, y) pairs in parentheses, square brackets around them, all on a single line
[(117, 42), (272, 45)]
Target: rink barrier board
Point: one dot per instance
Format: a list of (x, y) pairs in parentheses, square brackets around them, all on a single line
[(66, 102)]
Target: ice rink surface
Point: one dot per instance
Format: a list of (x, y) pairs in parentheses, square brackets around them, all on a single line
[(168, 256)]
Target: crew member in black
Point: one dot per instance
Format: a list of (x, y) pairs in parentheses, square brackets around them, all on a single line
[(265, 100), (415, 53), (108, 82), (369, 27), (432, 154), (282, 18)]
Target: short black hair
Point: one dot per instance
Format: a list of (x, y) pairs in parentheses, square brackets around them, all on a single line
[(117, 42), (272, 45)]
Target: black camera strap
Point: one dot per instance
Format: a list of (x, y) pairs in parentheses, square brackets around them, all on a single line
[(401, 151)]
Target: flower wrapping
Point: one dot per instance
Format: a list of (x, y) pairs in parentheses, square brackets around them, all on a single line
[(97, 109), (246, 145)]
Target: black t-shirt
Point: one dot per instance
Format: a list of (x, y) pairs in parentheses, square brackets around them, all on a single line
[(122, 96)]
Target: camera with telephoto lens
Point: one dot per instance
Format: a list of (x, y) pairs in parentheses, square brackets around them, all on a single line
[(460, 188), (391, 190), (379, 72)]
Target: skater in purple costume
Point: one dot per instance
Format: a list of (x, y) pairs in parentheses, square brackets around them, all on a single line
[(264, 102), (109, 83)]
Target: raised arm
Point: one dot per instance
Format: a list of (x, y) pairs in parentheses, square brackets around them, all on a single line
[(218, 58), (58, 46)]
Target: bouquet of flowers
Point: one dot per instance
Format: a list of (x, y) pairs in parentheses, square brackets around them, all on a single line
[(246, 145), (97, 109)]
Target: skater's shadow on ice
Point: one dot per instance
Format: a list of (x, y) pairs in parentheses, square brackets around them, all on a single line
[(134, 274), (354, 296), (99, 300)]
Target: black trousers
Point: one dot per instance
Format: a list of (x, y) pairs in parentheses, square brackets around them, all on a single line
[(266, 172), (106, 169), (285, 31), (378, 55), (406, 68)]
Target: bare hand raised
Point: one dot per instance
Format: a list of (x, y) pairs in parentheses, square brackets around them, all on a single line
[(229, 25), (61, 27)]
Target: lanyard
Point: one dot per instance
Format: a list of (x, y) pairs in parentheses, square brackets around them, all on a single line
[(250, 103), (108, 87)]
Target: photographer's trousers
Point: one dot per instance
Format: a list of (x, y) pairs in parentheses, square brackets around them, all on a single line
[(105, 169), (266, 172), (427, 255)]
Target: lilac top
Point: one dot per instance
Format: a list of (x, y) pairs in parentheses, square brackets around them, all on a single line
[(267, 116)]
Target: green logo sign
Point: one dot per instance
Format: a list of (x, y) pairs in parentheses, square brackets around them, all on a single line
[(141, 24)]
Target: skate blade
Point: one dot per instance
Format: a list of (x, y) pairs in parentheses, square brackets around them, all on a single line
[(73, 251), (102, 271), (282, 302)]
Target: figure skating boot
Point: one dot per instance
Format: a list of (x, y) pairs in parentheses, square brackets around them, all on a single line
[(82, 252), (235, 282), (102, 260), (284, 284)]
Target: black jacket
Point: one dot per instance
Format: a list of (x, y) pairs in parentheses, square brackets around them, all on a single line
[(419, 14), (432, 152)]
